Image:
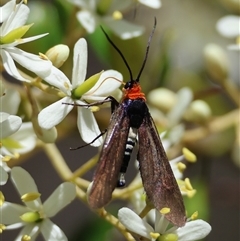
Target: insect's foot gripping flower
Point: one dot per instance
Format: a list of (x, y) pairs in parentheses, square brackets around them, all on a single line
[(77, 92), (12, 30)]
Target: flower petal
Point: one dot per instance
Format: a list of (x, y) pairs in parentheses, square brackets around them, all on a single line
[(11, 212), (123, 28), (193, 230), (51, 232), (17, 19), (151, 3), (80, 56), (87, 20), (31, 62), (10, 66), (228, 26), (26, 138), (234, 47), (31, 229), (60, 198), (184, 98), (30, 39), (58, 79), (3, 176), (24, 183), (9, 124), (6, 10), (9, 103), (88, 126), (134, 223), (108, 82), (53, 114)]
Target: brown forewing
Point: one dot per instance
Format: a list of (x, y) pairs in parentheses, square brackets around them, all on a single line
[(111, 157), (158, 180)]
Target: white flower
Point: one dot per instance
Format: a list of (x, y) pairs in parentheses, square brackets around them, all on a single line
[(229, 27), (193, 230), (94, 13), (16, 137), (34, 217), (96, 88), (22, 141), (12, 29), (9, 124), (151, 3)]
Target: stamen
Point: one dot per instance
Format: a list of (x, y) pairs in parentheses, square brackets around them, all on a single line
[(16, 155), (238, 40), (26, 238), (31, 196), (6, 158), (181, 166), (165, 210), (66, 85), (2, 228), (2, 198), (194, 215), (94, 108), (43, 56), (154, 235), (188, 184), (191, 157), (117, 15)]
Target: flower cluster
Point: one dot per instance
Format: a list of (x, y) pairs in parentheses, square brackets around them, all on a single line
[(94, 13), (12, 30), (34, 216), (46, 95)]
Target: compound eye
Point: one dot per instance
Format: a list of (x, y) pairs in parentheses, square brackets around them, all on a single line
[(128, 85)]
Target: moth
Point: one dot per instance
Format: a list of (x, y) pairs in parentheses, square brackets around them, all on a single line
[(131, 119)]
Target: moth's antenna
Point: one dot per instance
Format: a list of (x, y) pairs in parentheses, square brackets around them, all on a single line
[(119, 51), (147, 49)]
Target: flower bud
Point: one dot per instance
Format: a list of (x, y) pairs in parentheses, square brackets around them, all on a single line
[(198, 111), (216, 62), (45, 135), (162, 98), (58, 54)]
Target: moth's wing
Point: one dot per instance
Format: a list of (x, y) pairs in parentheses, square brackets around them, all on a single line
[(158, 179), (110, 160)]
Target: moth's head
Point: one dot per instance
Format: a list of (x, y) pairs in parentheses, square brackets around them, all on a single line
[(130, 84)]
